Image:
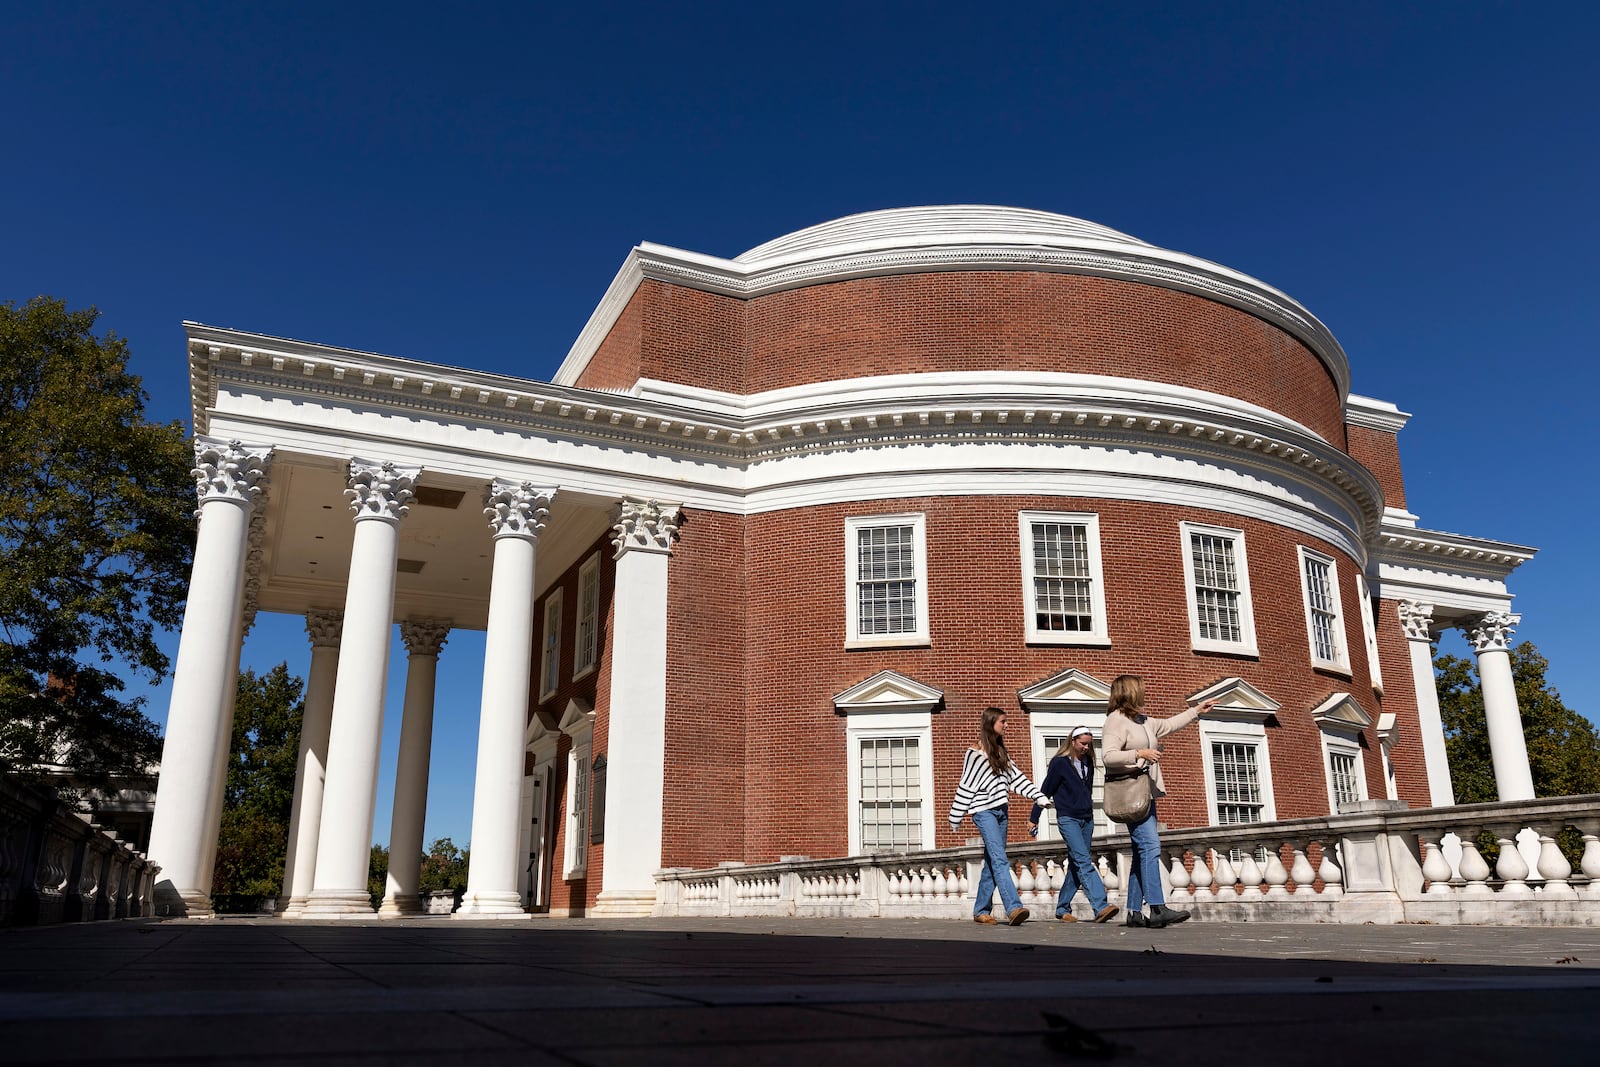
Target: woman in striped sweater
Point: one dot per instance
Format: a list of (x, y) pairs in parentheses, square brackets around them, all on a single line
[(986, 777)]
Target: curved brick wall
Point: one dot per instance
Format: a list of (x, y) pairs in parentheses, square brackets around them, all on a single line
[(965, 320)]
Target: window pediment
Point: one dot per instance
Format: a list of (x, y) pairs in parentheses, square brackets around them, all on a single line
[(577, 721), (1388, 728), (1237, 701), (1070, 689), (888, 690), (539, 738), (1341, 714)]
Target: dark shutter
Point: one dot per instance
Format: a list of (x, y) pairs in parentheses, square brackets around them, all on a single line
[(597, 807)]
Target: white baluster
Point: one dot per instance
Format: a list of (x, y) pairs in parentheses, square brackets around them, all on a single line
[(1511, 868), (1474, 869), (1250, 876), (1201, 876), (1108, 876), (1179, 876), (1589, 863), (1024, 878), (1328, 871), (1275, 876), (1302, 873), (1225, 875), (964, 879), (1436, 869)]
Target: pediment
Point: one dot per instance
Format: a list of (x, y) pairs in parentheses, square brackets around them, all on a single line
[(1070, 689), (888, 691), (1342, 714), (539, 735), (578, 717), (1388, 727), (1237, 700)]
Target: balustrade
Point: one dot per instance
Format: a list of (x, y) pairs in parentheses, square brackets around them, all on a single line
[(1380, 865)]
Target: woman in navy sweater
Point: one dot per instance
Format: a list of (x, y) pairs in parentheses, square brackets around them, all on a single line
[(1070, 782)]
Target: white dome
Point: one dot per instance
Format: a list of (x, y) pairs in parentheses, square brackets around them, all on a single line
[(951, 224)]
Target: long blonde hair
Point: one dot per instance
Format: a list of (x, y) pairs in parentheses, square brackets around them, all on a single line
[(1072, 735), (1127, 695), (991, 744)]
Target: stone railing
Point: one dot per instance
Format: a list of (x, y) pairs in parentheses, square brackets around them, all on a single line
[(1380, 864), (56, 866)]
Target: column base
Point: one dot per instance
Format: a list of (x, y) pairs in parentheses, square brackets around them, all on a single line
[(490, 906), (293, 908), (400, 906), (337, 904), (624, 904), (174, 903)]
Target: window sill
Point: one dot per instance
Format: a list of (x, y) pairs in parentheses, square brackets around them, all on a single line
[(590, 669), (898, 641), (1085, 640), (576, 875), (1341, 669), (1245, 651)]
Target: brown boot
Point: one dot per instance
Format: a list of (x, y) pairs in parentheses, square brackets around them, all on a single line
[(1018, 917), (985, 919)]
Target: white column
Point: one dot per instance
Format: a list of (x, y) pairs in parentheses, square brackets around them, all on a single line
[(229, 476), (1508, 749), (305, 817), (423, 638), (379, 494), (1417, 621), (636, 737), (517, 513)]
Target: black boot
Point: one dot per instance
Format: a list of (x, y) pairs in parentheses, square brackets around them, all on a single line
[(1135, 918), (1161, 916)]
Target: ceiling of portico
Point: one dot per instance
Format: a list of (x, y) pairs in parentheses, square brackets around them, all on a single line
[(446, 546)]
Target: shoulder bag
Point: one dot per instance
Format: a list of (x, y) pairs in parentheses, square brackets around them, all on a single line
[(1128, 797)]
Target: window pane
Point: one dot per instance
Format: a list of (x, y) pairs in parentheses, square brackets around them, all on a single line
[(1319, 592), (1343, 768), (891, 794), (886, 586), (1233, 766), (1216, 593), (1061, 577)]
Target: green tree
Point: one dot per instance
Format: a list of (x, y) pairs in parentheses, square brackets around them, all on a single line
[(444, 868), (96, 538), (1563, 746), (258, 796), (378, 874)]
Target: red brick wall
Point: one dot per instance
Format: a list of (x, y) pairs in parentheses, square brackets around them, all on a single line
[(964, 320), (615, 364), (794, 797), (1400, 698), (992, 320), (1379, 452)]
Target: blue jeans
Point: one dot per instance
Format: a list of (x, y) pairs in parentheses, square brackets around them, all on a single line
[(1080, 866), (991, 826), (1144, 879)]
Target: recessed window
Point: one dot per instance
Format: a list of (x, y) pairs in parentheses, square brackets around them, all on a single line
[(886, 581), (1063, 587), (578, 725), (1342, 723), (1217, 576), (891, 793), (586, 650), (1319, 584), (1369, 631), (550, 651), (889, 739)]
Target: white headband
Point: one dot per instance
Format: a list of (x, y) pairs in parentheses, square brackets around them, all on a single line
[(1076, 730)]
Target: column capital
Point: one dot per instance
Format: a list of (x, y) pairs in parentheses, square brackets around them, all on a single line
[(517, 509), (644, 526), (380, 489), (324, 628), (424, 637), (1416, 618), (230, 470), (1492, 632)]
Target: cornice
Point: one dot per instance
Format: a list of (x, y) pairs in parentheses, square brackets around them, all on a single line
[(731, 432), (1375, 414), (1122, 261), (1409, 546)]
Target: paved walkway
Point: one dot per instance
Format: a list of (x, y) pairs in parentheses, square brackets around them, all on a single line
[(794, 991)]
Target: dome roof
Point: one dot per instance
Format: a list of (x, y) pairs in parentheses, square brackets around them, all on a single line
[(951, 224)]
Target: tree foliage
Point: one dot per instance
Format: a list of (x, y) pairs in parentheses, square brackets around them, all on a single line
[(96, 539), (444, 868), (258, 795), (378, 874), (1563, 746)]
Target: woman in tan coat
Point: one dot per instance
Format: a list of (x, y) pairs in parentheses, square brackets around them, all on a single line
[(1129, 745)]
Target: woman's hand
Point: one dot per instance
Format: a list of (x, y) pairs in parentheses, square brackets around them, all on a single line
[(1206, 705), (1149, 755)]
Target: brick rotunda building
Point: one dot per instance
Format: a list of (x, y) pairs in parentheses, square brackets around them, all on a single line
[(783, 525)]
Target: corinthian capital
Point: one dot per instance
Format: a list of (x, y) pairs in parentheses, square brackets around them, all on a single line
[(230, 470), (424, 637), (1492, 632), (517, 509), (644, 526), (381, 490), (1417, 619), (325, 628)]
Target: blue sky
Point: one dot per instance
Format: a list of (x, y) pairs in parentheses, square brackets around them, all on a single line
[(460, 185)]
